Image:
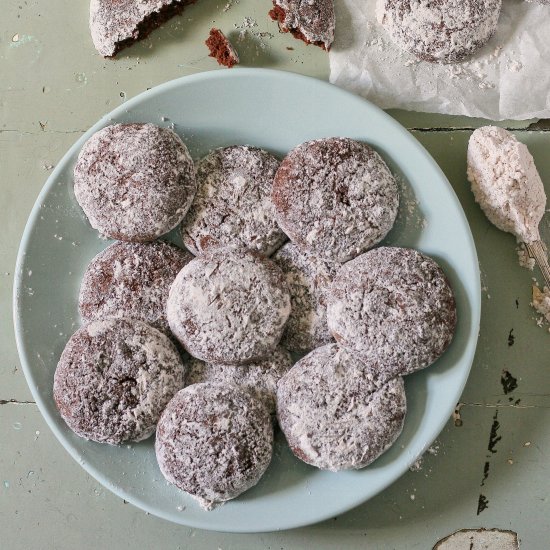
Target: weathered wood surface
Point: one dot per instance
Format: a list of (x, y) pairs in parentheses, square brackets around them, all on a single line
[(490, 466)]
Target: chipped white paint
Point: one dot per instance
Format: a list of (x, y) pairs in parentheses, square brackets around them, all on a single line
[(479, 539)]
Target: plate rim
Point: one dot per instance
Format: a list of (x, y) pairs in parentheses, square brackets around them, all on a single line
[(475, 305)]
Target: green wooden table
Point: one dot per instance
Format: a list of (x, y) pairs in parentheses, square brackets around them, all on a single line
[(490, 466)]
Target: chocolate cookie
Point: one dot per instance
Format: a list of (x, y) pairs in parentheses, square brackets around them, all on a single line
[(308, 278), (312, 22), (229, 306), (214, 441), (116, 24), (259, 378), (394, 309), (335, 198), (135, 182), (131, 280), (114, 378), (444, 31), (221, 49), (335, 413), (233, 202)]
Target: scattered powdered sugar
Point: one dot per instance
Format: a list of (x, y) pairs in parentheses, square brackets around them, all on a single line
[(233, 205), (474, 74), (114, 378), (308, 278), (418, 464), (394, 308), (134, 182), (335, 197), (515, 66), (312, 22), (444, 31), (335, 413), (505, 182), (410, 216), (523, 257), (247, 23), (229, 5), (229, 306), (259, 378), (214, 441), (131, 280), (541, 303)]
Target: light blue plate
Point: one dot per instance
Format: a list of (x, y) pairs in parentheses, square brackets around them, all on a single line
[(276, 111)]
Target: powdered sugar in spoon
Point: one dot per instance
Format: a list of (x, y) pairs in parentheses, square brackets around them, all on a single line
[(507, 186)]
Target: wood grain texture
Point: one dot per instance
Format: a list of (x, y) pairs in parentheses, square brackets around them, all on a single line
[(53, 87)]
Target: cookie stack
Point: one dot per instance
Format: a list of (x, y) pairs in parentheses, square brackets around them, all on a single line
[(202, 346)]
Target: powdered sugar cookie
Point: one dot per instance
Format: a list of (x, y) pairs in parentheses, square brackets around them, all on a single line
[(114, 378), (229, 306), (393, 308), (131, 280), (116, 24), (335, 198), (308, 279), (335, 413), (134, 182), (444, 31), (233, 205), (312, 22), (214, 441)]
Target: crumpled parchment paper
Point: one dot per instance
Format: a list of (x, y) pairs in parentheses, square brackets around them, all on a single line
[(508, 79)]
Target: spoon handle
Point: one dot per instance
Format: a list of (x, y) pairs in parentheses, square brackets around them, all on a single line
[(537, 250)]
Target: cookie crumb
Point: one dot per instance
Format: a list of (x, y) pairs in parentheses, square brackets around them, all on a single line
[(221, 49)]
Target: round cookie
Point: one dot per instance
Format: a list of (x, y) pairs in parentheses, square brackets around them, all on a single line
[(131, 280), (229, 306), (444, 31), (114, 378), (233, 205), (134, 182), (259, 378), (308, 278), (214, 441), (335, 413), (394, 309), (335, 198)]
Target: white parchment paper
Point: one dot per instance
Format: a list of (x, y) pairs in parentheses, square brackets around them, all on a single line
[(508, 79)]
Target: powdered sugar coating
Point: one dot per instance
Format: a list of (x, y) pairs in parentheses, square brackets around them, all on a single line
[(335, 197), (312, 21), (444, 31), (505, 182), (308, 278), (115, 24), (393, 308), (259, 378), (131, 280), (114, 378), (233, 205), (229, 306), (214, 442), (335, 413), (134, 182)]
